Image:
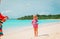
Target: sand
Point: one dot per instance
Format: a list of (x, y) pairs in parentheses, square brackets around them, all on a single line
[(46, 31)]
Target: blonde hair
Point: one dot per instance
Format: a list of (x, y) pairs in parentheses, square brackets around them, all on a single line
[(35, 17)]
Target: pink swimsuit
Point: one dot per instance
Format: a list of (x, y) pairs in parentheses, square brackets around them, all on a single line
[(34, 23)]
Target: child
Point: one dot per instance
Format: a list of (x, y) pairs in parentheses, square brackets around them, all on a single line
[(35, 25), (2, 19)]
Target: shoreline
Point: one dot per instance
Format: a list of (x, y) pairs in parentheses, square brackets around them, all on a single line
[(38, 19)]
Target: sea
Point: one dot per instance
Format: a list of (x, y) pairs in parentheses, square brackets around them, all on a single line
[(25, 23)]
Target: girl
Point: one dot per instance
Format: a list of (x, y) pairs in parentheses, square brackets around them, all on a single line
[(35, 25)]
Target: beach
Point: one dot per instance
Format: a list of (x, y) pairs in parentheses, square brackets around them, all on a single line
[(45, 31)]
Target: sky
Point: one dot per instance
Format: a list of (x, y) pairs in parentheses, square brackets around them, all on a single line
[(19, 8)]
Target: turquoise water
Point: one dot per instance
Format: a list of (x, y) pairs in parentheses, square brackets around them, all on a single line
[(23, 23)]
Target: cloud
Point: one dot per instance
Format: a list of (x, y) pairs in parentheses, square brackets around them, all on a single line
[(7, 11)]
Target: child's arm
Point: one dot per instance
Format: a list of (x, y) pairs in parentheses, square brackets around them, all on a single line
[(3, 20), (32, 21)]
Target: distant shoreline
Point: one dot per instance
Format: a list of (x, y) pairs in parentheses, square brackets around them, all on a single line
[(29, 17), (38, 19)]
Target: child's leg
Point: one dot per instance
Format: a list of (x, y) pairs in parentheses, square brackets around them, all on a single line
[(36, 29), (36, 32)]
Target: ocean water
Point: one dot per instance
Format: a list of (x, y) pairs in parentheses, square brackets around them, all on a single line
[(24, 23)]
